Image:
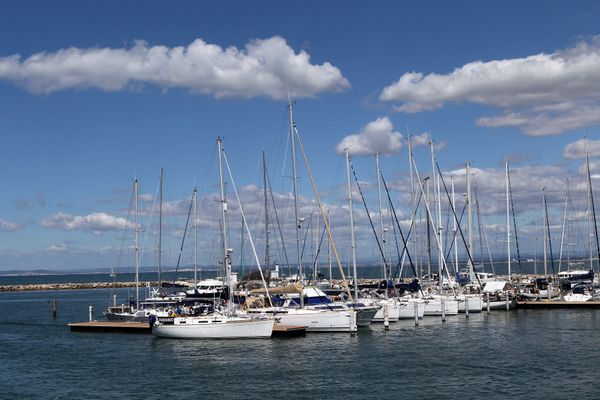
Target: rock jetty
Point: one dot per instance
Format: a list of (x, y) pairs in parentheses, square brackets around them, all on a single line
[(71, 286)]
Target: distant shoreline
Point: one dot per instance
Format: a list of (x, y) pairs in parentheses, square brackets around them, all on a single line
[(71, 286)]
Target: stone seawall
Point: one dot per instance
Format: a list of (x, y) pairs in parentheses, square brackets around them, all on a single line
[(71, 286)]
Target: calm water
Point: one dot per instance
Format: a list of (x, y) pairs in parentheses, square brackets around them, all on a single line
[(522, 354)]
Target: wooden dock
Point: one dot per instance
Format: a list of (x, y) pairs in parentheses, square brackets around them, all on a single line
[(143, 327), (110, 327), (288, 330), (550, 305)]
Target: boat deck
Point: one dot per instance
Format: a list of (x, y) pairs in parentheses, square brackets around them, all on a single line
[(110, 326)]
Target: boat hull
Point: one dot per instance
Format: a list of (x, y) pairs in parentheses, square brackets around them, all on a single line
[(228, 329)]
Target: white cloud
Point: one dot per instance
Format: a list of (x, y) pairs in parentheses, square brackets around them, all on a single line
[(423, 139), (267, 68), (576, 150), (95, 222), (376, 137), (542, 94), (8, 226)]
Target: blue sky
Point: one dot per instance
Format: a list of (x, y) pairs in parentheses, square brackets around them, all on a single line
[(70, 149)]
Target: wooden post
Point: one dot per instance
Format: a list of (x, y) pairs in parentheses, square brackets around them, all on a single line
[(466, 307), (416, 313), (353, 325), (487, 300), (386, 317), (54, 309), (443, 309)]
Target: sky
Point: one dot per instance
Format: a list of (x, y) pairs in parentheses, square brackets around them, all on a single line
[(95, 94)]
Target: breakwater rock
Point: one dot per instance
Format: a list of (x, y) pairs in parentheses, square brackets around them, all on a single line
[(71, 286)]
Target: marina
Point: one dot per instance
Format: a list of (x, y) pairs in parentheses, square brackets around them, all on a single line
[(300, 200)]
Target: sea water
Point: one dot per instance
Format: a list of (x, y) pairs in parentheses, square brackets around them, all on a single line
[(528, 354)]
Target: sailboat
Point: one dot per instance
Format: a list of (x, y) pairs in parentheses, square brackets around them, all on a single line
[(222, 324)]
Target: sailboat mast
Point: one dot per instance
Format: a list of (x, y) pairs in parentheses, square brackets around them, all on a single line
[(266, 199), (226, 260), (591, 194), (383, 266), (439, 226), (352, 238), (454, 226), (160, 209), (544, 233), (564, 224), (507, 218), (470, 221), (195, 196), (295, 192), (137, 249)]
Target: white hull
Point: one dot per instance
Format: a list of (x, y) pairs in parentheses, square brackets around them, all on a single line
[(214, 328), (393, 311), (578, 297), (474, 303), (407, 310), (433, 307), (501, 305)]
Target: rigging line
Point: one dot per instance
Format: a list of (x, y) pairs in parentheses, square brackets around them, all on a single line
[(314, 266), (587, 160), (385, 263), (454, 235), (121, 248), (549, 237), (247, 228), (408, 235), (326, 220), (143, 249), (512, 208), (487, 245), (441, 176), (287, 261), (187, 221), (398, 224)]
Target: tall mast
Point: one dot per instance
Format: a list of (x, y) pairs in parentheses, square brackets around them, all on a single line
[(428, 217), (564, 225), (329, 260), (470, 221), (195, 196), (591, 194), (412, 201), (295, 191), (544, 233), (160, 209), (137, 248), (454, 226), (267, 258), (383, 266), (352, 238), (438, 232), (226, 260), (507, 218)]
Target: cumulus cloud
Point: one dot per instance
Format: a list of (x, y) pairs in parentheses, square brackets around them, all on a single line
[(423, 139), (576, 150), (95, 222), (376, 137), (542, 94), (263, 68), (8, 226)]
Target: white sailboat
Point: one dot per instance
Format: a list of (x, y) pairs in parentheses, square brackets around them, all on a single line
[(219, 325)]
